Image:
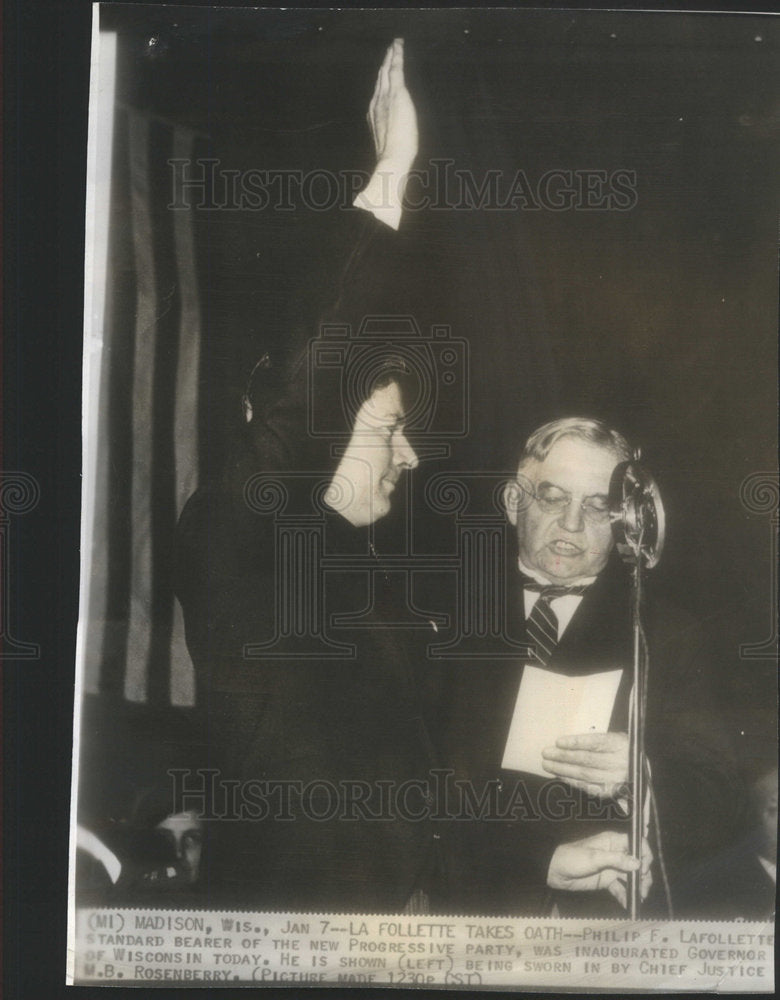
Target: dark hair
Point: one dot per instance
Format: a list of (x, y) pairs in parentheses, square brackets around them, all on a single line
[(276, 425), (392, 369)]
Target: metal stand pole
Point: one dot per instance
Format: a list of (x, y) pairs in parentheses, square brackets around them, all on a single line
[(636, 742), (638, 526)]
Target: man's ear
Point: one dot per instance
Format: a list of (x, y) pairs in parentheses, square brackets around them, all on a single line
[(511, 499)]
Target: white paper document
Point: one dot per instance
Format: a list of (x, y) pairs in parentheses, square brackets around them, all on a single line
[(550, 705)]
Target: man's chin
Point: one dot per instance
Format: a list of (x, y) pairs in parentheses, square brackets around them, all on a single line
[(379, 508), (563, 569)]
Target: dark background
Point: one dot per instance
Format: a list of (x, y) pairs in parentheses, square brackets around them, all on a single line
[(663, 319)]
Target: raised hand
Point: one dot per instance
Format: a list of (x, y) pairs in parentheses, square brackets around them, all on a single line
[(391, 114), (393, 122)]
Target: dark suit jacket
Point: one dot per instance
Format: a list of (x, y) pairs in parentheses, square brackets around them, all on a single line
[(306, 718), (500, 866), (337, 726), (732, 885)]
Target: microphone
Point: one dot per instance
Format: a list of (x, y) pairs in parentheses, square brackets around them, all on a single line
[(637, 514), (638, 527)]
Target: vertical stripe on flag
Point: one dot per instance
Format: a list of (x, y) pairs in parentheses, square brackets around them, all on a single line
[(116, 412), (150, 414), (162, 480), (139, 614), (185, 429)]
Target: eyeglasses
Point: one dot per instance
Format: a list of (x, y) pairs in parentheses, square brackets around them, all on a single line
[(553, 500)]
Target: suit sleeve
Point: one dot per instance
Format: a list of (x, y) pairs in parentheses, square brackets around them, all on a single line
[(366, 268), (225, 558), (693, 764)]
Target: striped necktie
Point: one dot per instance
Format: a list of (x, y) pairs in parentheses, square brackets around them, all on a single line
[(542, 624)]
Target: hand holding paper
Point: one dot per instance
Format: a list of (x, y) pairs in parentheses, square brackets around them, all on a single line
[(595, 762), (553, 707)]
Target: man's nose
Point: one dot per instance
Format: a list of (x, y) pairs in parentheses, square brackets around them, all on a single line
[(403, 453), (573, 518)]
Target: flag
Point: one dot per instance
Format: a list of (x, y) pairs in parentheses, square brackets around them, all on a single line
[(147, 425)]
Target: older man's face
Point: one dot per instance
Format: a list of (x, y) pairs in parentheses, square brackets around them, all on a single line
[(574, 541)]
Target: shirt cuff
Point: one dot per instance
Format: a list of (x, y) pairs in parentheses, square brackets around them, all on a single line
[(383, 195)]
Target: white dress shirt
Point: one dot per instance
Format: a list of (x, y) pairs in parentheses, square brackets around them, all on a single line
[(564, 607)]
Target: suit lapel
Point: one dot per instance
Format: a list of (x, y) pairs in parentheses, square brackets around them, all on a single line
[(597, 638)]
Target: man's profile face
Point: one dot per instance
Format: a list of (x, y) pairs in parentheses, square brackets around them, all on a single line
[(566, 545), (374, 459)]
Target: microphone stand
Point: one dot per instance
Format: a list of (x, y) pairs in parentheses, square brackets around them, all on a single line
[(638, 527), (636, 741)]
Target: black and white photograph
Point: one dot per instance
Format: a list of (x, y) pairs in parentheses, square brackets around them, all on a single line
[(428, 593)]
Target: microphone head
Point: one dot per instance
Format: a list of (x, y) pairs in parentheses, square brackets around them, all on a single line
[(637, 514)]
